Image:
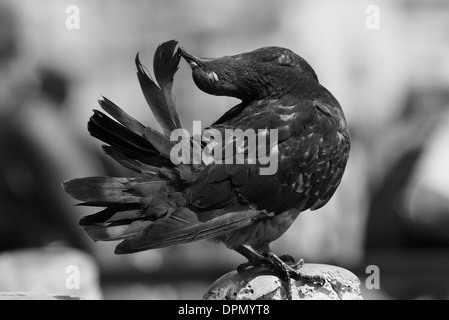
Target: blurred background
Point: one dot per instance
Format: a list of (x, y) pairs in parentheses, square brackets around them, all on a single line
[(386, 62)]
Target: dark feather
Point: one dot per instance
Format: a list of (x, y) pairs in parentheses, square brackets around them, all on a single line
[(116, 231), (101, 190), (126, 144), (165, 65), (159, 141), (235, 111), (184, 226), (122, 117), (305, 154), (142, 164), (113, 214), (163, 109), (172, 204), (113, 133)]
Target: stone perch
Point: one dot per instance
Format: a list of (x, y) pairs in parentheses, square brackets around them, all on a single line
[(258, 284)]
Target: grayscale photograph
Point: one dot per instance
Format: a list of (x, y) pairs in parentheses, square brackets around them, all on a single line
[(224, 150)]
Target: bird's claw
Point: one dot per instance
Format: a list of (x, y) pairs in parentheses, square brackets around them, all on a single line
[(254, 260), (289, 269), (315, 280), (285, 267)]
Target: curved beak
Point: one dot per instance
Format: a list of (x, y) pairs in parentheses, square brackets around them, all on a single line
[(191, 59)]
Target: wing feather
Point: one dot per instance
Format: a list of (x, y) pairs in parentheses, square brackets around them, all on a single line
[(311, 160)]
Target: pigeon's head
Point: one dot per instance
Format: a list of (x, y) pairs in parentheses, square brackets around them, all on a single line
[(260, 73)]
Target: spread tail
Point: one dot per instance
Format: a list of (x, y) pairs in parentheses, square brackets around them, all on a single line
[(149, 211)]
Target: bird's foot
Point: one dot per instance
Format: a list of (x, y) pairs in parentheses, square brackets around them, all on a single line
[(289, 269), (285, 267), (255, 259)]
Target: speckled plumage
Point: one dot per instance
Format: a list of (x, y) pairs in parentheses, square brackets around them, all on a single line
[(233, 203)]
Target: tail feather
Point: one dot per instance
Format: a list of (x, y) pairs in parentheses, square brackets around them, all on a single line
[(127, 162), (132, 204), (165, 65), (127, 137), (114, 223), (121, 116), (116, 231), (101, 191), (111, 132), (160, 142), (141, 164), (126, 144), (113, 214), (160, 101), (149, 211), (183, 226)]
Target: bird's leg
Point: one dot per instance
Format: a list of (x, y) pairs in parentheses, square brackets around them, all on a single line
[(285, 265), (291, 271), (254, 258), (288, 259)]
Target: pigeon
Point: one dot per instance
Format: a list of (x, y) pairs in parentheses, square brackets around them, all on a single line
[(285, 112)]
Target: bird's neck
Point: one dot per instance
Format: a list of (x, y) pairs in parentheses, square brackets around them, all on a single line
[(268, 87)]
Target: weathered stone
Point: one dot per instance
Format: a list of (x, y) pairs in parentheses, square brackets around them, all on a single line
[(258, 284)]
